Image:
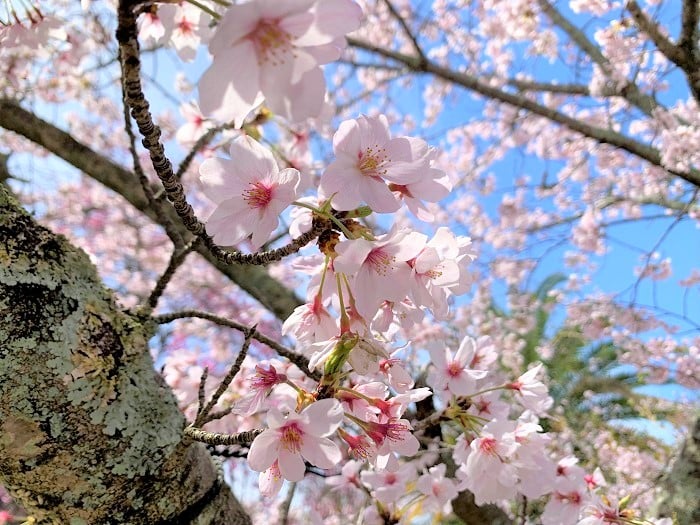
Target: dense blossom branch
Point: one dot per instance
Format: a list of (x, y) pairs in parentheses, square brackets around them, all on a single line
[(603, 136)]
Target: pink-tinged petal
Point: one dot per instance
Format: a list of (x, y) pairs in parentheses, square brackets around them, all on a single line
[(303, 63), (347, 139), (223, 91), (291, 465), (440, 357), (218, 184), (409, 446), (408, 149), (465, 352), (333, 18), (378, 196), (275, 419), (326, 53), (238, 21), (308, 95), (427, 260), (251, 160), (270, 481), (321, 452), (289, 177), (263, 451), (277, 9), (448, 274), (296, 25), (341, 177), (410, 246), (323, 417), (352, 255), (374, 131), (262, 229), (367, 299)]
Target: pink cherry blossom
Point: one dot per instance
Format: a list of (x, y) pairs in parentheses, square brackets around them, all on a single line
[(366, 159), (451, 374), (378, 268), (250, 192), (530, 391), (439, 489), (488, 472), (298, 437), (271, 50)]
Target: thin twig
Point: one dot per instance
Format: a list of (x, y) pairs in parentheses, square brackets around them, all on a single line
[(201, 396), (226, 381), (176, 260), (410, 34), (299, 360), (153, 202)]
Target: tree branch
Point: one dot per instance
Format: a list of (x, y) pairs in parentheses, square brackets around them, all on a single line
[(629, 92), (253, 279), (603, 136)]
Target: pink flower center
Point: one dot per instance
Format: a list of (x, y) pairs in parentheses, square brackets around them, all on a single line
[(488, 446), (380, 261), (271, 42), (291, 438), (454, 369), (372, 162), (258, 195), (185, 27)]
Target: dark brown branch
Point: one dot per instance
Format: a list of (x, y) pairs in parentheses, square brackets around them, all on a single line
[(176, 260), (630, 91), (213, 438), (688, 40), (686, 54), (652, 30), (253, 279), (204, 412), (151, 133), (603, 136), (407, 30)]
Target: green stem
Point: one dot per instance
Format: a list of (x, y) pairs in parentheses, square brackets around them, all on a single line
[(207, 9), (330, 216)]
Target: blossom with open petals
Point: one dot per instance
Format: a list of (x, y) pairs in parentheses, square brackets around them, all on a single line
[(366, 159), (298, 437), (250, 192), (271, 50)]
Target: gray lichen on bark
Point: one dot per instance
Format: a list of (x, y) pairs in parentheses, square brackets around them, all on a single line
[(88, 432)]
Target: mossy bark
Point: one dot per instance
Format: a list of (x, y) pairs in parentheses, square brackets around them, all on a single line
[(680, 497), (89, 433)]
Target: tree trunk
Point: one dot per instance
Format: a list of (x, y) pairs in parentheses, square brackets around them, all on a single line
[(681, 486), (89, 433)]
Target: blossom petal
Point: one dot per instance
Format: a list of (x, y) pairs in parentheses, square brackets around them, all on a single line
[(263, 451), (321, 452), (291, 465)]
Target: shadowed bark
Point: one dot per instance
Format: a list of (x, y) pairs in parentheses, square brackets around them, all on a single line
[(88, 432), (681, 486)]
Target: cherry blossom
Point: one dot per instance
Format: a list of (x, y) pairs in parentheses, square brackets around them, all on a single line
[(451, 373), (250, 192), (279, 44), (297, 437), (367, 158)]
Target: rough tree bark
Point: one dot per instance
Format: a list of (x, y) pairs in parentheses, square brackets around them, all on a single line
[(88, 432), (681, 486)]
